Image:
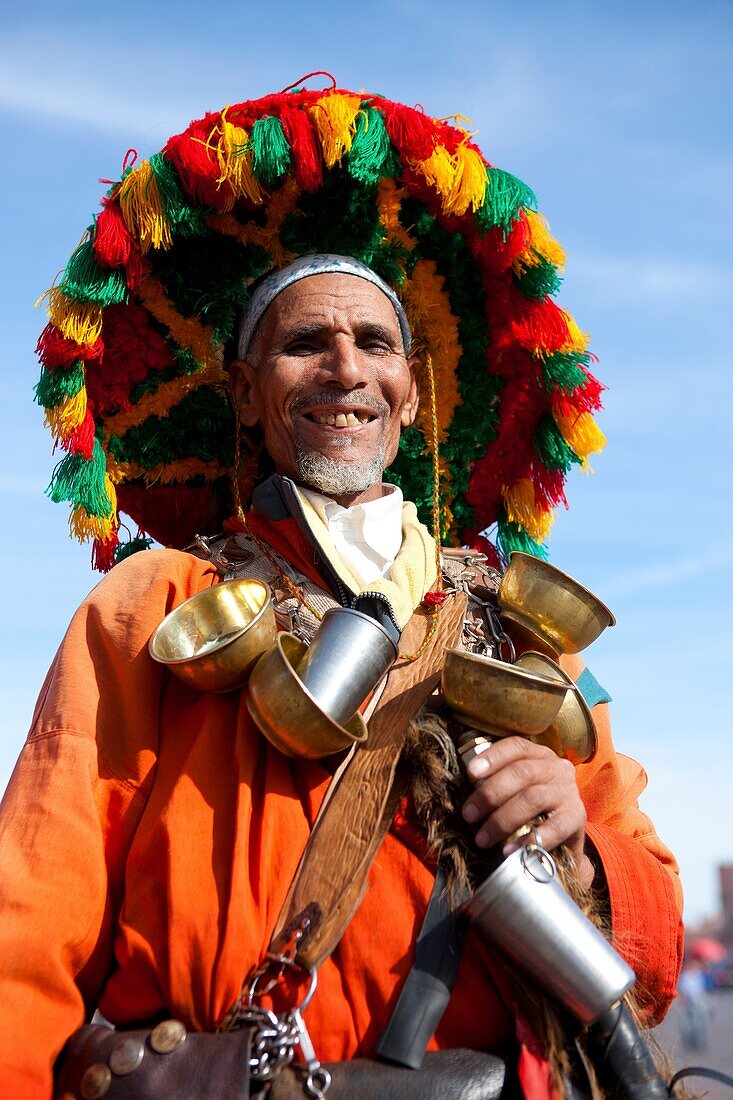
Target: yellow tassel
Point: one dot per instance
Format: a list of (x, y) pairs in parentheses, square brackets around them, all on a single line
[(440, 172), (235, 160), (77, 321), (521, 508), (543, 245), (142, 208), (65, 417), (582, 434), (334, 117), (577, 340), (469, 188), (84, 527)]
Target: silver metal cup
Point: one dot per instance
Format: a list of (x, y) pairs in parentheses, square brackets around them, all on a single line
[(347, 658), (522, 907)]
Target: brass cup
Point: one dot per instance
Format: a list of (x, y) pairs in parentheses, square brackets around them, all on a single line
[(548, 609), (499, 698), (572, 734), (212, 640), (285, 711)]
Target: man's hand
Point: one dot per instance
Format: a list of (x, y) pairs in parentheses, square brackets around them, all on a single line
[(516, 781)]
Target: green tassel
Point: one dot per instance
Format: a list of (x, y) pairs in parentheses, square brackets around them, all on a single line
[(370, 157), (555, 453), (56, 386), (541, 281), (564, 370), (134, 546), (85, 281), (504, 197), (510, 537), (81, 481), (186, 220), (270, 150)]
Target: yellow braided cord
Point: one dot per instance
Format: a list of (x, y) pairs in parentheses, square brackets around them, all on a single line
[(166, 473), (389, 200), (267, 236)]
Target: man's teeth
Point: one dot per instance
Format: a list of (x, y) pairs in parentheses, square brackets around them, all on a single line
[(341, 420)]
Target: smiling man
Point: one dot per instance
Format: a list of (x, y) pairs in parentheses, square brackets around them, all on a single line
[(324, 366), (152, 840)]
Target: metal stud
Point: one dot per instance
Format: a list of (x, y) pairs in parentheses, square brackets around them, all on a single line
[(95, 1082), (167, 1036), (126, 1057)]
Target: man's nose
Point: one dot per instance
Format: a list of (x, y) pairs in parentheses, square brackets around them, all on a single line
[(345, 364)]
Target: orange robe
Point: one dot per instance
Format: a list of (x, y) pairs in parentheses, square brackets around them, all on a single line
[(149, 835)]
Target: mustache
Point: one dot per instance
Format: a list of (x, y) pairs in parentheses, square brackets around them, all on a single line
[(338, 397)]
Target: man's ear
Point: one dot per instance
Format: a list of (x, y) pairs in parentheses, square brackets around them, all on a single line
[(409, 409), (242, 376)]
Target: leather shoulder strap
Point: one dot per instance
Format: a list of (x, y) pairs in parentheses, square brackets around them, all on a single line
[(331, 877)]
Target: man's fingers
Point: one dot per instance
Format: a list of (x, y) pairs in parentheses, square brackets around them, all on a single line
[(558, 827), (516, 782)]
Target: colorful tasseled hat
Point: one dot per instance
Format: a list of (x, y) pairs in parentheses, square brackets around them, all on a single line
[(134, 381)]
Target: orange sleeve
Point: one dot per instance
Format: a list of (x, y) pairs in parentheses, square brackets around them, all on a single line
[(641, 874), (71, 809)]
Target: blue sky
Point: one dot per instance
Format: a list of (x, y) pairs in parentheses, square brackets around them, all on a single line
[(618, 115)]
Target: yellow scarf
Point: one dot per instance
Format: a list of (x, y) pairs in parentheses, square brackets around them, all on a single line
[(411, 575)]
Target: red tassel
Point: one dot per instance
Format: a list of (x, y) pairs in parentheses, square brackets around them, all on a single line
[(549, 487), (81, 440), (307, 164), (411, 131), (196, 164), (112, 240), (434, 599), (538, 325), (54, 350), (588, 395), (495, 252), (103, 553)]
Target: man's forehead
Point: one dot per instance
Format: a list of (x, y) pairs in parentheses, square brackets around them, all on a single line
[(326, 296)]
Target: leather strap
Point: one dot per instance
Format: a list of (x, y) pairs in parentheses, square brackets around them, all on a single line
[(331, 878), (458, 1074), (424, 996)]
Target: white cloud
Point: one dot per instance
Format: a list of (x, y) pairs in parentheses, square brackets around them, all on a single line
[(648, 279), (665, 574)]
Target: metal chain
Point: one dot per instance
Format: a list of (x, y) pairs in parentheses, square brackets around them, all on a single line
[(273, 1042)]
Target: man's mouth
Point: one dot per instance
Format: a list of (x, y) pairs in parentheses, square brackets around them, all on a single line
[(341, 419)]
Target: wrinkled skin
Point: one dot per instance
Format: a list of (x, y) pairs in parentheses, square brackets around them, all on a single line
[(330, 346)]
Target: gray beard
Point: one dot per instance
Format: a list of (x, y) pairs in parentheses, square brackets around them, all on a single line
[(335, 478)]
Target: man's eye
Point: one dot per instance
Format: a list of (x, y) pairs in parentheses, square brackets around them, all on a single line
[(302, 347)]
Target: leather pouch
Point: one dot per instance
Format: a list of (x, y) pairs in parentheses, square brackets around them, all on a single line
[(213, 1066), (201, 1067)]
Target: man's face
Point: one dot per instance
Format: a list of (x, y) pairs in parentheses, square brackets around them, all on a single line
[(330, 384)]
